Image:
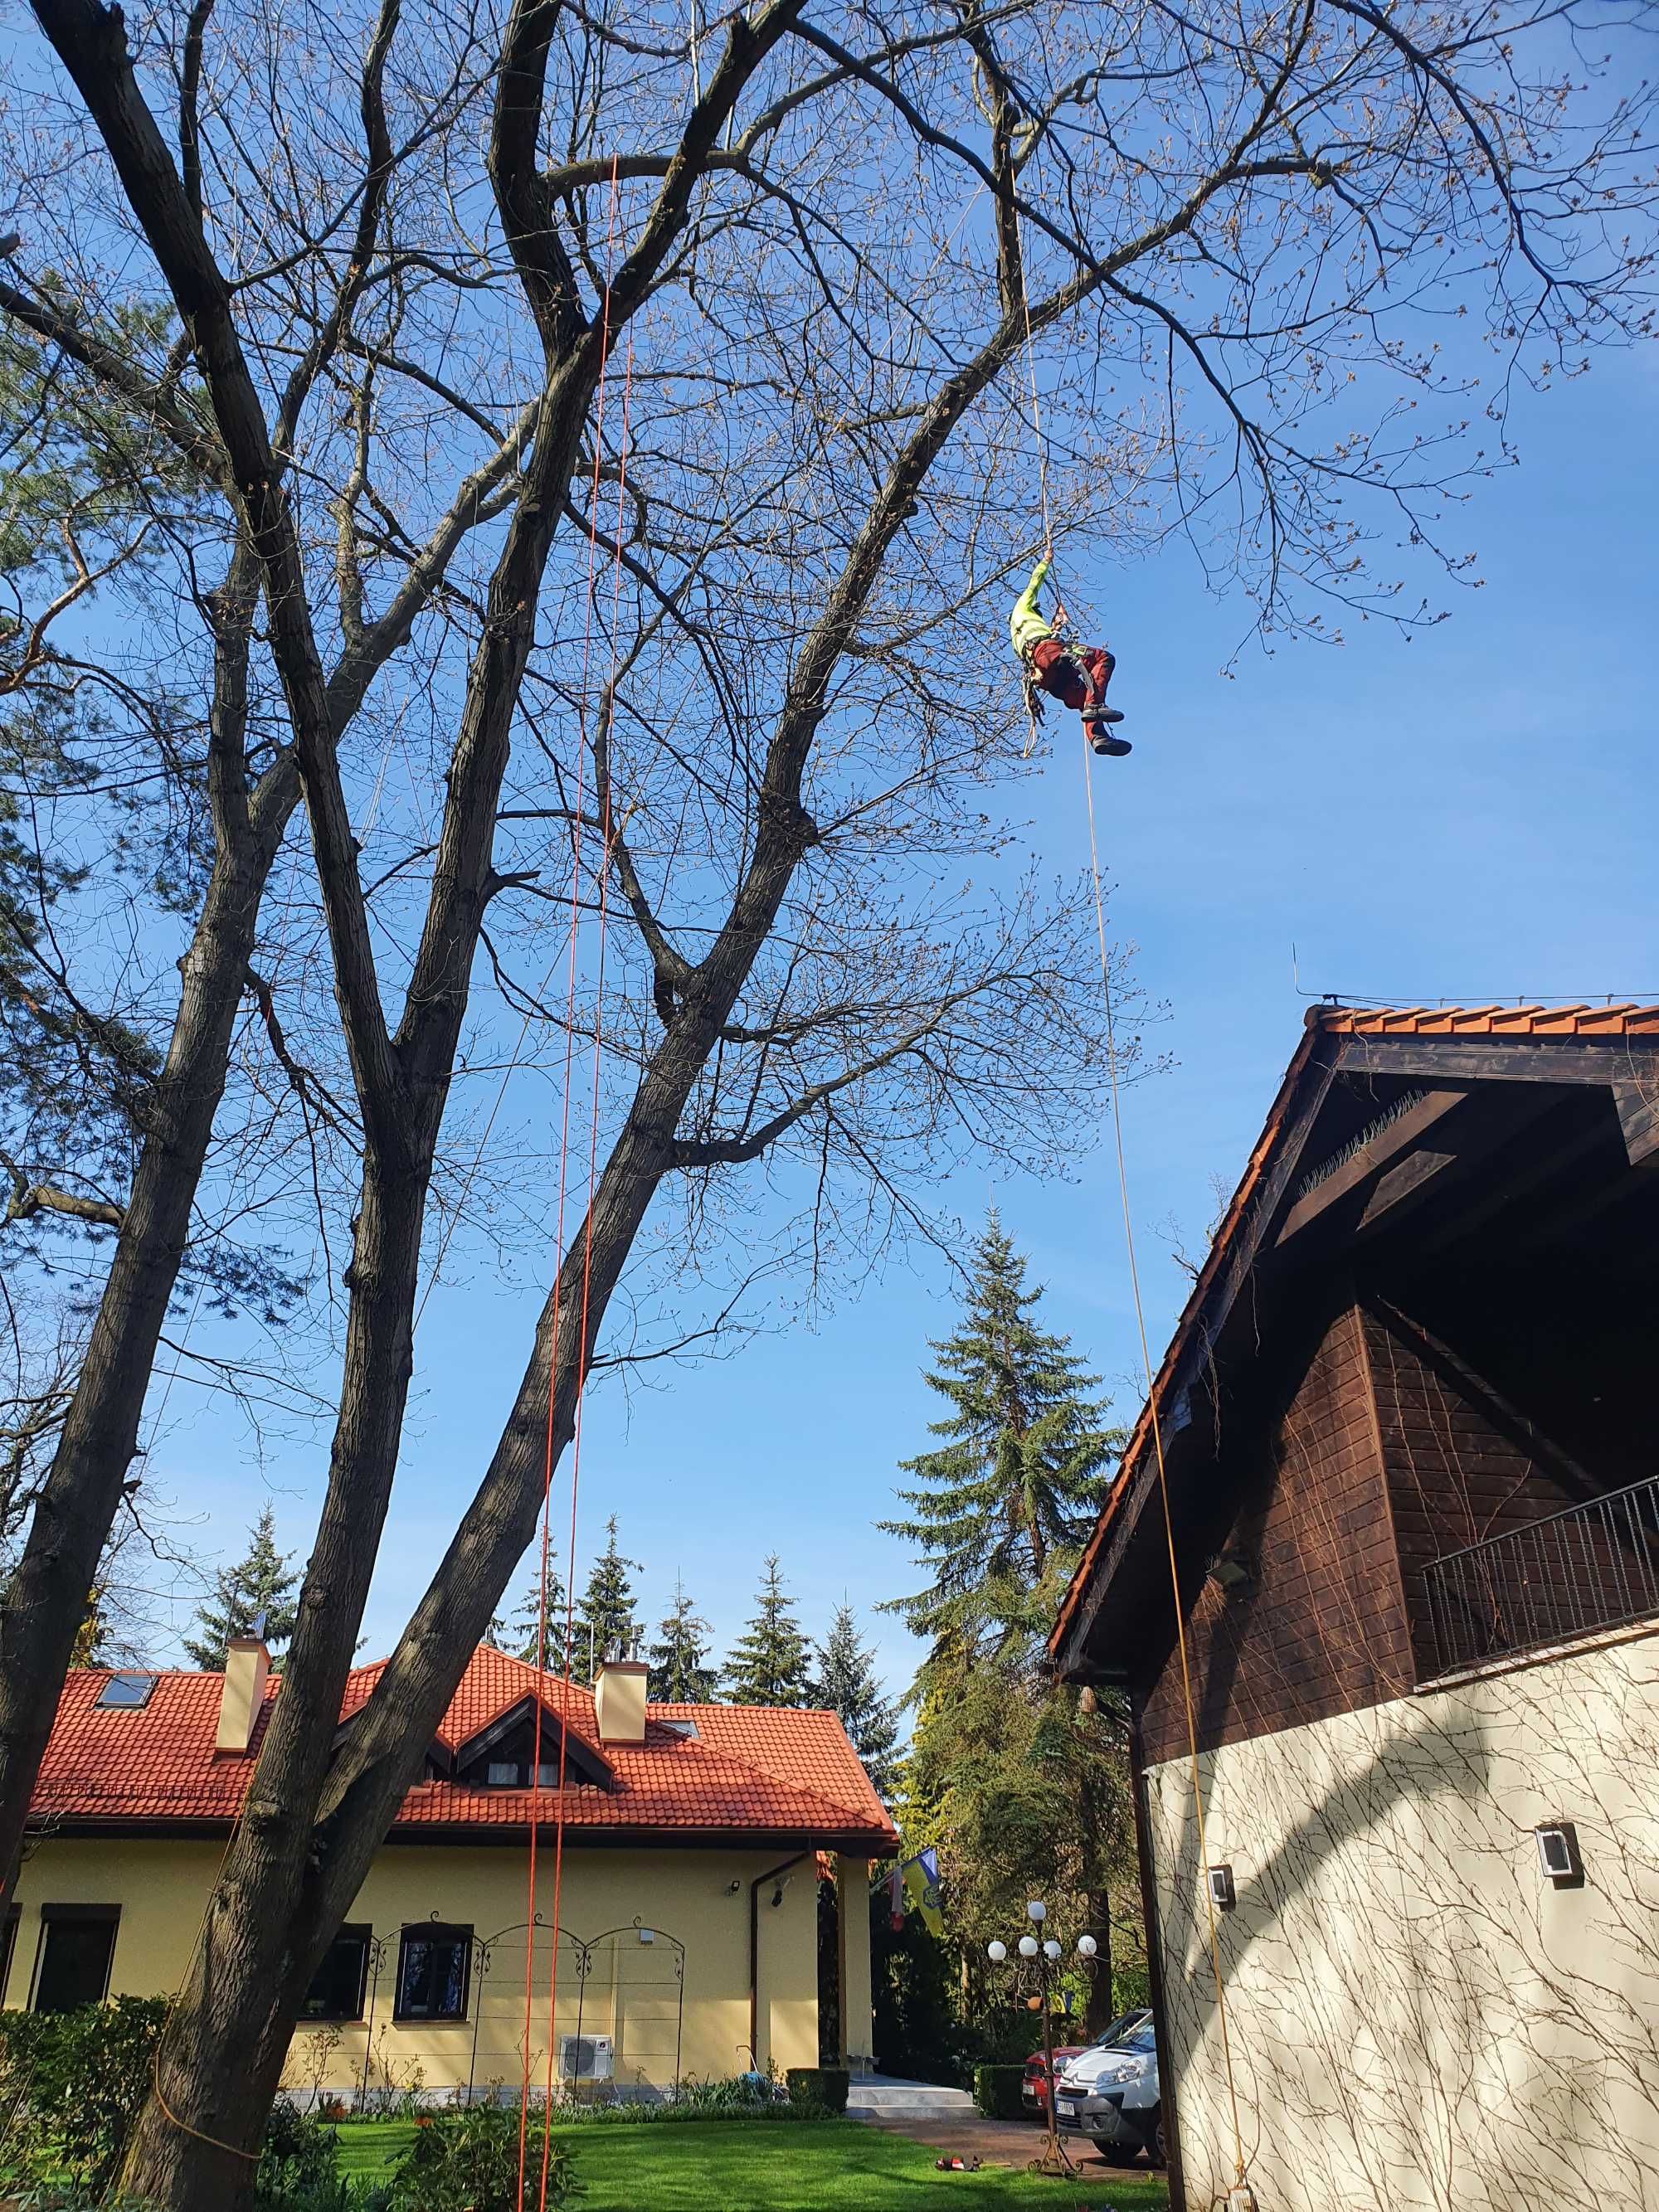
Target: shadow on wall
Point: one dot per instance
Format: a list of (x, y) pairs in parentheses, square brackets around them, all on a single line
[(1416, 2016)]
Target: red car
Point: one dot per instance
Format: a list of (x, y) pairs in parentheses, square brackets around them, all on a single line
[(1034, 2090)]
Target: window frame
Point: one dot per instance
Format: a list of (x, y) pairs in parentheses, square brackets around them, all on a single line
[(75, 1916), (126, 1676), (434, 1931), (352, 1931)]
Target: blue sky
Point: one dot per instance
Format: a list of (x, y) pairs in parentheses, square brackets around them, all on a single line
[(1470, 815)]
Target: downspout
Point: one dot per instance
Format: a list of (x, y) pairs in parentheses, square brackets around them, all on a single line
[(771, 1875)]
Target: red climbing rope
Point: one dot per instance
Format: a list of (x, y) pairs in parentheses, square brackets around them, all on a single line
[(587, 1255)]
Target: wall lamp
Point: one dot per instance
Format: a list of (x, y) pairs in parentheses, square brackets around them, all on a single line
[(1557, 1855)]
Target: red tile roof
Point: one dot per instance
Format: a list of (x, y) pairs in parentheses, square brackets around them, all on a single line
[(1623, 1019), (750, 1769), (1612, 1018)]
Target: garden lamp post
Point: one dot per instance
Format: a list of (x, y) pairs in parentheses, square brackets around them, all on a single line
[(1038, 1954)]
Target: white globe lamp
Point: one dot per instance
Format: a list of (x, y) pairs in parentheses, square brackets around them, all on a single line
[(1028, 1947), (1086, 1947), (996, 1953)]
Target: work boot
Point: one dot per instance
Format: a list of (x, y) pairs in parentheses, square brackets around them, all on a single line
[(1105, 743)]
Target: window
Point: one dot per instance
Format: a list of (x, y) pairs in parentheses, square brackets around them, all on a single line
[(337, 1986), (8, 1945), (126, 1693), (502, 1774), (77, 1943), (683, 1728), (509, 1774), (434, 1967)]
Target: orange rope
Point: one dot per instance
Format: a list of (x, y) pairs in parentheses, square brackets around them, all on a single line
[(558, 1282), (1162, 1482)]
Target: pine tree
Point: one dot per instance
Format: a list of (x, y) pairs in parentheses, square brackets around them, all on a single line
[(847, 1683), (678, 1674), (771, 1663), (1008, 1498), (605, 1612), (263, 1582), (519, 1632)]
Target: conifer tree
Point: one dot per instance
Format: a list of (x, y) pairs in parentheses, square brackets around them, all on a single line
[(605, 1612), (679, 1675), (263, 1582), (848, 1685), (519, 1631), (1007, 1498), (771, 1663)]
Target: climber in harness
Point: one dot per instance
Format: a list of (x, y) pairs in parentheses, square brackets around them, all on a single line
[(1076, 675)]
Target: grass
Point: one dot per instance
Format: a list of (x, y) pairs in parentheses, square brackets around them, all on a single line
[(835, 2166)]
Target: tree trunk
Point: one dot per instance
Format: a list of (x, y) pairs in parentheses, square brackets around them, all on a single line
[(315, 1818), (83, 1491)]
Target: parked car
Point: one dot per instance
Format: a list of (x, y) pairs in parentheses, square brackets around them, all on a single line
[(1034, 2090), (1109, 2093)]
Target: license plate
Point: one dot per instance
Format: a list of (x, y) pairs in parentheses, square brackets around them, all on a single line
[(1066, 2111)]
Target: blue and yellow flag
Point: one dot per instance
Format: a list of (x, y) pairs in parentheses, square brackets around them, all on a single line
[(921, 1884)]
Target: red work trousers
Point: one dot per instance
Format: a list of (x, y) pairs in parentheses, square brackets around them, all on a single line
[(1076, 679)]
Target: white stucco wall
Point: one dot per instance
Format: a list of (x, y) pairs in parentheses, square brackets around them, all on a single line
[(1418, 2020)]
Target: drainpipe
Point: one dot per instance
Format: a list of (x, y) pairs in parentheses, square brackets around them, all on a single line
[(771, 1875)]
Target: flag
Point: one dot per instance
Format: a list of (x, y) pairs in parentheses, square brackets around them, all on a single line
[(922, 1882)]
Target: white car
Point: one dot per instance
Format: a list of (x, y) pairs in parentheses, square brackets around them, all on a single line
[(1109, 2093)]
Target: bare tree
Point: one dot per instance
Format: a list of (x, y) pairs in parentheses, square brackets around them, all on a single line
[(755, 323)]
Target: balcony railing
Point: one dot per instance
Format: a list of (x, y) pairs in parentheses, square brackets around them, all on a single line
[(1595, 1565)]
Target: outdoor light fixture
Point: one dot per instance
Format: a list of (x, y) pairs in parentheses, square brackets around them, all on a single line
[(1557, 1855), (1222, 1895), (1040, 1974), (648, 1934)]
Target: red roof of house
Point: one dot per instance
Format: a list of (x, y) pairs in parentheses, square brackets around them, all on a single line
[(1611, 1018), (750, 1771)]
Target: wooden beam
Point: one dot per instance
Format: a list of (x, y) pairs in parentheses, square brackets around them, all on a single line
[(1547, 1060), (1400, 1136), (1402, 1181), (1637, 1105)]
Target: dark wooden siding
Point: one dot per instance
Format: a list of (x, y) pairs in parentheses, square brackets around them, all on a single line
[(1319, 1628), (1462, 1464)]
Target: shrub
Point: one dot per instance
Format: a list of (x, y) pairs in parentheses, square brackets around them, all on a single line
[(467, 2160), (996, 2091), (823, 2088), (78, 2079), (296, 2171)]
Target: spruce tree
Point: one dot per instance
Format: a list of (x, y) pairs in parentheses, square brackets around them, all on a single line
[(1006, 1501), (263, 1582), (678, 1674), (771, 1663), (519, 1632), (605, 1612), (847, 1683)]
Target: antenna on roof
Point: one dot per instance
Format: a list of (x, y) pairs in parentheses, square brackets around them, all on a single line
[(258, 1626)]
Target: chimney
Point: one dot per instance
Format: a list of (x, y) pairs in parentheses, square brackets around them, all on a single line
[(247, 1663), (619, 1699)]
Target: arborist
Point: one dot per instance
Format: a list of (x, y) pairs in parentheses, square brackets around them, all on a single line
[(1076, 675)]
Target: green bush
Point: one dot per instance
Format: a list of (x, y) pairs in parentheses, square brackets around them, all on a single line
[(77, 2079), (297, 2165), (467, 2160), (996, 2091), (822, 2088)]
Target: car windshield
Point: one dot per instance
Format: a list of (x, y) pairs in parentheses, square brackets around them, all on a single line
[(1121, 2034), (1138, 2039)]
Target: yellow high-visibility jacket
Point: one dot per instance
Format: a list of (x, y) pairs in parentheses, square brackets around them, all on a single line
[(1026, 624)]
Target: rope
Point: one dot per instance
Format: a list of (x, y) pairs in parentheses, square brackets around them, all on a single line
[(1162, 1484), (558, 1280), (1042, 459)]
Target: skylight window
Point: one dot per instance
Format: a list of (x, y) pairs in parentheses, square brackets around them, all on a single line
[(683, 1728), (126, 1693)]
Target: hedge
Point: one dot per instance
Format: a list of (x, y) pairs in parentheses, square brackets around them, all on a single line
[(826, 2087), (997, 2092)]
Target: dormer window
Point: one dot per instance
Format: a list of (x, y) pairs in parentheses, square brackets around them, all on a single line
[(504, 1755), (126, 1693), (514, 1774)]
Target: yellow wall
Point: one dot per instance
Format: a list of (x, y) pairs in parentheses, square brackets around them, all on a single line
[(1416, 2017), (630, 1992)]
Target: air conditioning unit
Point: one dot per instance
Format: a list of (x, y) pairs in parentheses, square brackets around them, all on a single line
[(585, 2057)]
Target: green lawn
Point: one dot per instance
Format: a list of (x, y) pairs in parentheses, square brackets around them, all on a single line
[(780, 2167)]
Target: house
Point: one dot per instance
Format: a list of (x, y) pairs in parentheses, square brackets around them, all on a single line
[(1411, 1462), (688, 1923)]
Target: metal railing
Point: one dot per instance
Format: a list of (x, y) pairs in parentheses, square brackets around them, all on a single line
[(1590, 1566)]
